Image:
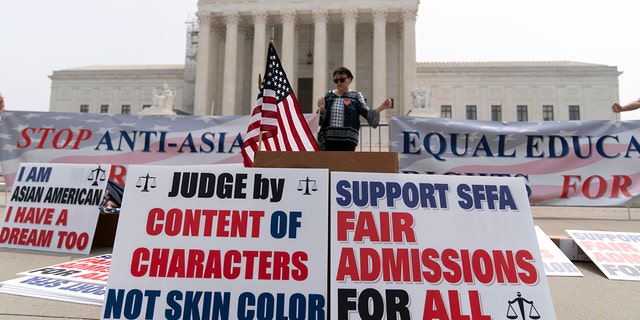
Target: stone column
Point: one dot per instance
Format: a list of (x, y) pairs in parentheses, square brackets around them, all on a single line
[(349, 20), (202, 99), (379, 57), (320, 17), (230, 64), (259, 49), (408, 61), (288, 45)]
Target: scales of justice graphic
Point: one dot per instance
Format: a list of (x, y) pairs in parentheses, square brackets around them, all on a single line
[(520, 304), (307, 182), (97, 174), (145, 186)]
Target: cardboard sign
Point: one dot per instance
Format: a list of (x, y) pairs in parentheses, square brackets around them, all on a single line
[(617, 254), (434, 247), (220, 242), (54, 207), (555, 262)]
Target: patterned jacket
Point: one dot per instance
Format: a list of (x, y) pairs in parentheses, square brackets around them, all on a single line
[(341, 117)]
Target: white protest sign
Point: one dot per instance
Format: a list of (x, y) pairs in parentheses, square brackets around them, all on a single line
[(554, 260), (434, 247), (93, 270), (220, 242), (617, 254), (54, 207), (53, 289)]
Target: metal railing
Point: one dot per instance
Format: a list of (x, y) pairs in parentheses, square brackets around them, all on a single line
[(374, 139)]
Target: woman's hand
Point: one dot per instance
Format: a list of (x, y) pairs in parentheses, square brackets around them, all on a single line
[(386, 104), (321, 105)]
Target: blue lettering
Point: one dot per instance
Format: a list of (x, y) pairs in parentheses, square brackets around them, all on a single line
[(188, 142), (409, 140), (37, 174), (270, 307), (117, 304), (483, 145), (600, 147), (476, 196), (342, 190), (442, 145), (208, 142)]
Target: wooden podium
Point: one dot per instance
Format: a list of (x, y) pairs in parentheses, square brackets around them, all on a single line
[(383, 162)]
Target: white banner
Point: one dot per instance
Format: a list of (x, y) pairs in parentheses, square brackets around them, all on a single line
[(581, 163), (121, 139)]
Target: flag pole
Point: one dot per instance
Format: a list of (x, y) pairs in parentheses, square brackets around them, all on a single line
[(259, 85), (260, 135)]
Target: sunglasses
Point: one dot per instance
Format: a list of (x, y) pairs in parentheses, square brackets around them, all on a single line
[(339, 79)]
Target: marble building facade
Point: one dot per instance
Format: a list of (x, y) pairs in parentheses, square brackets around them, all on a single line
[(226, 50)]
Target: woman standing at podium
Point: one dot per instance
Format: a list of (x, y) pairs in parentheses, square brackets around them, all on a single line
[(340, 110)]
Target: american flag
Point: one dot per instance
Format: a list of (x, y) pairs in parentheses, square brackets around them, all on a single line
[(276, 116)]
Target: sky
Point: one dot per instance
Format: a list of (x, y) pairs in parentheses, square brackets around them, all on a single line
[(38, 37)]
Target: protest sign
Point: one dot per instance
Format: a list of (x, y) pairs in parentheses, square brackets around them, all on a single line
[(221, 242), (617, 254), (78, 281), (434, 247), (54, 207), (93, 270), (555, 262), (53, 289)]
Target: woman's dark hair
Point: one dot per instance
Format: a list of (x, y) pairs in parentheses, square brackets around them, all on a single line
[(343, 70)]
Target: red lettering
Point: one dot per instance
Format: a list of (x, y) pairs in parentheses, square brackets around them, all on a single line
[(84, 134), (595, 186), (34, 215), (60, 138), (347, 266), (391, 227), (43, 139), (345, 223), (153, 228), (566, 184), (24, 236), (97, 276), (436, 308), (57, 137), (301, 271), (429, 257), (482, 266), (235, 257), (529, 274), (118, 173), (229, 223), (601, 187), (25, 135), (176, 268), (264, 264), (546, 254), (449, 257), (369, 264)]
